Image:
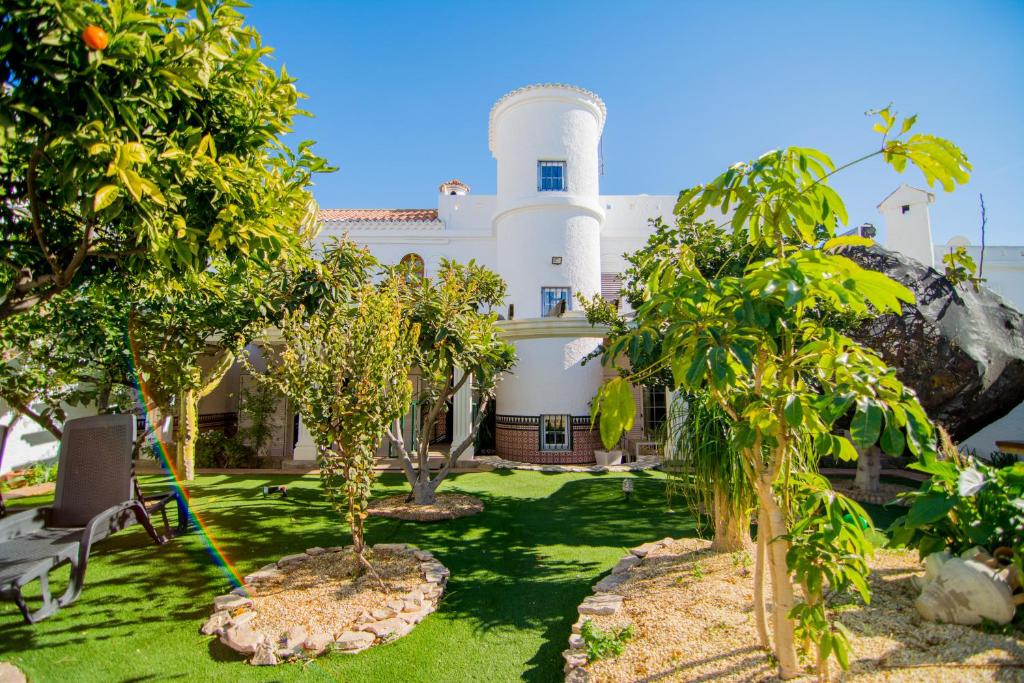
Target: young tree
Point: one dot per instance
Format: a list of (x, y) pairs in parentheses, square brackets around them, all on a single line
[(137, 134), (457, 331), (345, 369), (759, 346)]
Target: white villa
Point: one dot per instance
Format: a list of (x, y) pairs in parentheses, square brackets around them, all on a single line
[(551, 234)]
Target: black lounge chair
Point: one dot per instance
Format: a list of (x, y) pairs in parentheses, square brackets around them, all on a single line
[(97, 494)]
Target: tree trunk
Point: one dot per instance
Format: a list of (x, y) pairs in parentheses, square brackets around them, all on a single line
[(782, 588), (732, 527), (760, 617), (869, 470), (424, 491), (187, 433)]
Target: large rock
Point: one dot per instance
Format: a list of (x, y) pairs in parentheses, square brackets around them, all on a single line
[(962, 351)]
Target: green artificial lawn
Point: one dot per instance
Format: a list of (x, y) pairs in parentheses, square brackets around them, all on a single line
[(519, 570)]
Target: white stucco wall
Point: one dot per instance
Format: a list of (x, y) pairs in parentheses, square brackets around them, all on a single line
[(550, 378), (909, 233)]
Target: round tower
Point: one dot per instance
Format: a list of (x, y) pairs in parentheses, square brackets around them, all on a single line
[(547, 223)]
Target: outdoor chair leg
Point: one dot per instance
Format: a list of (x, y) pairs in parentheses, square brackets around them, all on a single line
[(48, 607)]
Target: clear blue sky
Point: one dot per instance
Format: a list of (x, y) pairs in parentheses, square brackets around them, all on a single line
[(401, 91)]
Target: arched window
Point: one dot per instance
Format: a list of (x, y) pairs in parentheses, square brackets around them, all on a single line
[(414, 262)]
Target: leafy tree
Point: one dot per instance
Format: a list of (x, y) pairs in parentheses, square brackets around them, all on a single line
[(344, 366), (136, 134), (758, 344), (457, 331)]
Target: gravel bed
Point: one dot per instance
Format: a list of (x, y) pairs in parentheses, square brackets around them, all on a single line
[(691, 611), (445, 506)]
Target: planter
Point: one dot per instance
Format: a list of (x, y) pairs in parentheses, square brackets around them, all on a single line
[(606, 458)]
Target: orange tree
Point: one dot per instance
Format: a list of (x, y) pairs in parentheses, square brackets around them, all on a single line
[(140, 134), (759, 343)]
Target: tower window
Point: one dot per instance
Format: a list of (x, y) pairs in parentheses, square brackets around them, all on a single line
[(905, 208), (551, 297), (551, 176), (554, 433)]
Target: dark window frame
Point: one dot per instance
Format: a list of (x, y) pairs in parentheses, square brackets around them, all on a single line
[(568, 298), (541, 432)]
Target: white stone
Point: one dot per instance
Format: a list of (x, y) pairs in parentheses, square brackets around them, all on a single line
[(230, 602), (264, 575), (382, 613), (318, 642), (627, 562), (388, 627), (354, 640), (264, 655), (10, 673), (576, 641), (243, 618), (289, 560), (601, 604), (423, 555), (241, 639), (316, 550), (216, 623), (965, 592)]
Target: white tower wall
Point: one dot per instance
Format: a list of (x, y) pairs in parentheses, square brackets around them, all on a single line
[(908, 226), (531, 226)]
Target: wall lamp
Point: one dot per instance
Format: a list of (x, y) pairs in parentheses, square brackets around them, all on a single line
[(556, 260)]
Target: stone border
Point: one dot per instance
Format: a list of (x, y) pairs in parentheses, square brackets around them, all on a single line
[(234, 612), (602, 602), (473, 507), (644, 462)]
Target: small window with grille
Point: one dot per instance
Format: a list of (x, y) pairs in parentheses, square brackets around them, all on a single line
[(554, 433), (551, 176)]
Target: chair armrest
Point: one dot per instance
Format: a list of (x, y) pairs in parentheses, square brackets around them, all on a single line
[(110, 520), (22, 523)]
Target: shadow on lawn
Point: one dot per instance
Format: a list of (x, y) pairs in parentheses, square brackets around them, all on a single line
[(524, 564)]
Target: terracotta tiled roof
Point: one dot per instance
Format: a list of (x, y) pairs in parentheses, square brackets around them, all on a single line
[(454, 182), (379, 215)]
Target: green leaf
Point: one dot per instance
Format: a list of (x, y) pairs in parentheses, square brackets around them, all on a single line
[(892, 441), (866, 424), (104, 197), (929, 508)]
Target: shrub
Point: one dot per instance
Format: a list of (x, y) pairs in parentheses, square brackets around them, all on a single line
[(605, 644), (215, 449)]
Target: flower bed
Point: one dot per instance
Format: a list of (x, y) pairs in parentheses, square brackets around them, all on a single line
[(306, 604), (691, 615), (446, 506)]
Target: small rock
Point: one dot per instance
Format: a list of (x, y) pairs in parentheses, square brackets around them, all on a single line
[(354, 640), (575, 641), (288, 560), (396, 605), (627, 562), (434, 567), (318, 642), (412, 605), (388, 627), (264, 655), (241, 639), (577, 675), (417, 616), (578, 626), (294, 638), (601, 604), (435, 577), (392, 547), (316, 550), (364, 618), (10, 673), (214, 625), (423, 555), (429, 590), (646, 549), (611, 582), (240, 591), (573, 659), (383, 613), (230, 602), (243, 618), (335, 549), (265, 574)]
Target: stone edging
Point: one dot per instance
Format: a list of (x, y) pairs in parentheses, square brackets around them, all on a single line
[(233, 612), (644, 462), (602, 602)]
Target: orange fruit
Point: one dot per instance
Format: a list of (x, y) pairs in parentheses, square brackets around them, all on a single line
[(95, 37)]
